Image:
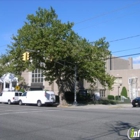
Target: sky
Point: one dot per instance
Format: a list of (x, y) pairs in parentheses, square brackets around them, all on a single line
[(116, 20)]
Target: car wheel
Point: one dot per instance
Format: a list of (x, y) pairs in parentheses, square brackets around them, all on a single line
[(39, 103), (9, 102), (20, 102), (134, 105)]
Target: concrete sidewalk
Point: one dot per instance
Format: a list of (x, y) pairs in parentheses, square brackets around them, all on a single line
[(99, 106)]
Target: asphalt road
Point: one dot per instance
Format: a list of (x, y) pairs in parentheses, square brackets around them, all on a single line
[(57, 123)]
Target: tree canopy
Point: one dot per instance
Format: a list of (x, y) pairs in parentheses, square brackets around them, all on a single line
[(55, 48)]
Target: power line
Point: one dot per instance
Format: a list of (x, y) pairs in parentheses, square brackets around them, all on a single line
[(124, 56), (124, 38), (103, 22), (106, 13), (126, 50)]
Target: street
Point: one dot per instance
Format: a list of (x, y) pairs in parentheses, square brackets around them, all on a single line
[(67, 123)]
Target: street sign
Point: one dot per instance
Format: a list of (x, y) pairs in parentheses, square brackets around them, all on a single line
[(17, 88)]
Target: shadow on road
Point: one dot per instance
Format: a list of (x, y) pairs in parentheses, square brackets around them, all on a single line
[(115, 128)]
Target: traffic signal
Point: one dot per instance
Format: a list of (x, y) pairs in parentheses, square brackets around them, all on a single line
[(25, 56)]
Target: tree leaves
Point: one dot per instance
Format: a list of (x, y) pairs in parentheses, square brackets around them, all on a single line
[(56, 49)]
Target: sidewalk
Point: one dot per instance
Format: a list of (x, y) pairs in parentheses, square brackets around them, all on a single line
[(99, 106)]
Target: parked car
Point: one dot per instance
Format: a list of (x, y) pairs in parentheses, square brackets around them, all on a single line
[(37, 97), (10, 97), (136, 102)]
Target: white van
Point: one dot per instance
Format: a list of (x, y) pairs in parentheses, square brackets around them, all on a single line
[(37, 97), (10, 97)]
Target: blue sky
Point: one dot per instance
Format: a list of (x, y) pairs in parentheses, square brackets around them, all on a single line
[(94, 19)]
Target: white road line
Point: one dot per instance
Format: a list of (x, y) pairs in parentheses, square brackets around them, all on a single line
[(20, 112)]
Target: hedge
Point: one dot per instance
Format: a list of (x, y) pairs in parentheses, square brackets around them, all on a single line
[(110, 97)]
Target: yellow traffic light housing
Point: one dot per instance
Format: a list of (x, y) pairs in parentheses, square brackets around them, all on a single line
[(25, 56)]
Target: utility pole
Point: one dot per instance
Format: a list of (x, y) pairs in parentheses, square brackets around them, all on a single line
[(75, 84)]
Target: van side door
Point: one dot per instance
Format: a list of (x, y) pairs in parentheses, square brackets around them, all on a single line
[(16, 97), (23, 97)]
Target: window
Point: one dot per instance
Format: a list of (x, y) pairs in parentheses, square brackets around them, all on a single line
[(16, 94), (7, 85), (20, 94), (47, 96), (24, 94), (37, 76), (14, 84), (102, 93)]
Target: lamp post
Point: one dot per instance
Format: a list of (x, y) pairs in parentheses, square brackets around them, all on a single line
[(118, 93)]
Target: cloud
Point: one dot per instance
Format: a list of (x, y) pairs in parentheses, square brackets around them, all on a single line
[(136, 59)]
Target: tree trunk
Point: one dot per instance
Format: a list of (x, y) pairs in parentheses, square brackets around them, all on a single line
[(62, 99)]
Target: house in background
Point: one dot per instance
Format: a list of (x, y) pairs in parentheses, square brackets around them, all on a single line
[(8, 82)]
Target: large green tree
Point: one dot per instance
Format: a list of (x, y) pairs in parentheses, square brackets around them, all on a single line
[(56, 49), (5, 64)]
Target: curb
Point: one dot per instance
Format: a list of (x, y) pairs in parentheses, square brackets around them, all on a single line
[(96, 106)]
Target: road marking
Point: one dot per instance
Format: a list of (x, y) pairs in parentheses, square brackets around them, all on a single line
[(19, 110), (28, 111)]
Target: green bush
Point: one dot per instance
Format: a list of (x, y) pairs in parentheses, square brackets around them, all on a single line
[(124, 92), (106, 102), (22, 90), (127, 101), (110, 97), (112, 102), (117, 97)]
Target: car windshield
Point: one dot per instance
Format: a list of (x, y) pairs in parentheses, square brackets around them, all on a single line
[(138, 98)]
